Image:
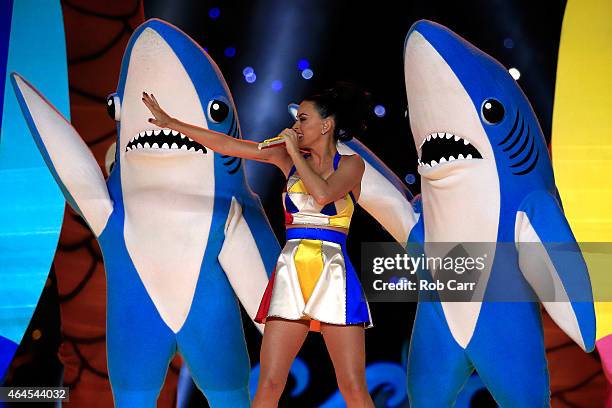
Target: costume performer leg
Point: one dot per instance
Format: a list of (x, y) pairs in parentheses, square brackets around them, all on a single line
[(437, 366), (512, 362), (139, 344), (212, 342)]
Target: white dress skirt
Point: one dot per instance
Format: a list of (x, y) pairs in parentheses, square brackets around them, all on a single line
[(314, 280)]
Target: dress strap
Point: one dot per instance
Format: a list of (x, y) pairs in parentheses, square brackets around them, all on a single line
[(352, 197), (291, 172), (305, 155), (337, 158)]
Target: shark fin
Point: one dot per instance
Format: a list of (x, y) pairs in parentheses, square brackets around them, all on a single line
[(383, 195), (552, 263), (249, 253), (67, 156)]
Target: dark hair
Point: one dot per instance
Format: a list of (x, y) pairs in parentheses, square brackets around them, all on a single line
[(349, 106)]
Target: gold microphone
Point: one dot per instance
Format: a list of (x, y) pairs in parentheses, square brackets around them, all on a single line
[(273, 142), (279, 140)]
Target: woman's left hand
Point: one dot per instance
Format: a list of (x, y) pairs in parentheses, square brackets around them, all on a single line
[(161, 118), (291, 141)]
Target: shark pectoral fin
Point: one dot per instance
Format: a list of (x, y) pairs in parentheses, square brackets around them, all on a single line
[(383, 195), (552, 263), (247, 253), (67, 156)]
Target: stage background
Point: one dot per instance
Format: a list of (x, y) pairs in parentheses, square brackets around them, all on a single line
[(360, 42)]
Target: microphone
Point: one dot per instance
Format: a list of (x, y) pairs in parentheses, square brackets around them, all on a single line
[(279, 140), (273, 142)]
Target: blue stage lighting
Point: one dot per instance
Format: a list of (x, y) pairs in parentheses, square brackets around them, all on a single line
[(230, 52), (277, 85), (250, 78), (303, 64), (307, 73), (248, 71), (214, 13), (410, 178), (509, 43), (380, 111)]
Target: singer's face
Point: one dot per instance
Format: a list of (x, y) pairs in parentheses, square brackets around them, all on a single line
[(309, 125)]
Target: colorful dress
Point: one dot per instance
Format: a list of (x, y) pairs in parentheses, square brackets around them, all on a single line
[(314, 278)]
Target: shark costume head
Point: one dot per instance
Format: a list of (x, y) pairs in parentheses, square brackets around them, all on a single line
[(148, 156), (467, 113), (472, 125), (486, 177), (170, 220)]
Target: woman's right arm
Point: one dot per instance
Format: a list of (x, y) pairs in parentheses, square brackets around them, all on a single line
[(218, 142)]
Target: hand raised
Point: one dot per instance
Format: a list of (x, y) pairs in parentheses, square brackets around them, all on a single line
[(161, 118)]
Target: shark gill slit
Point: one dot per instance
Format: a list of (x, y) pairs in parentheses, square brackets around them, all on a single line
[(523, 146), (229, 160), (511, 130), (231, 126), (235, 169), (518, 137), (527, 157), (531, 166)]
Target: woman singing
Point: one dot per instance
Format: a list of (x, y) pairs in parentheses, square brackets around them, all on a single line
[(314, 286)]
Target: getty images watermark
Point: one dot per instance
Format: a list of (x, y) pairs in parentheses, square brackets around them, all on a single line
[(411, 264), (478, 272), (399, 275)]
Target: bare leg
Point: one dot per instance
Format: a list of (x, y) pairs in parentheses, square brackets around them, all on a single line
[(346, 347), (281, 342)]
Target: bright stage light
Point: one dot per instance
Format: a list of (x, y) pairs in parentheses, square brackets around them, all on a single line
[(248, 71), (410, 178), (303, 64), (250, 78), (230, 52), (380, 111), (307, 73), (514, 73)]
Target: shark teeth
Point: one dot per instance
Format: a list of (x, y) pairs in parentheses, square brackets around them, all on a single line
[(442, 135), (164, 139), (443, 148)]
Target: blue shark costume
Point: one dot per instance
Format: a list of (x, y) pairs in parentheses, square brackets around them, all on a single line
[(179, 228), (486, 177)]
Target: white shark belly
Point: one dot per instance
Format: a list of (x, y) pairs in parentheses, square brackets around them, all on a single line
[(464, 212), (166, 241)]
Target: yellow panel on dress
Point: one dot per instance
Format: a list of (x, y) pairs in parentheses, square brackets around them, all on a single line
[(297, 187), (309, 264), (343, 218)]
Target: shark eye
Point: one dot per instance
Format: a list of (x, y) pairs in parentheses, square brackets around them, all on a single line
[(218, 110), (492, 111), (113, 106)]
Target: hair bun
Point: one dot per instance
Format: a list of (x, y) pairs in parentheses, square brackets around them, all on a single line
[(349, 104)]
